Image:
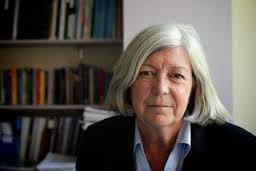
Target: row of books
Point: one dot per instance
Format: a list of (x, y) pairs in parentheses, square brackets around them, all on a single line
[(60, 19), (84, 84), (29, 139)]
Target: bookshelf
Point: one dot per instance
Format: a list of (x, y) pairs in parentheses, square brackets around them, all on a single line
[(64, 47), (45, 42), (43, 110)]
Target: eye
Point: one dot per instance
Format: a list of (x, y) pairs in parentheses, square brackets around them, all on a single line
[(177, 76), (146, 74)]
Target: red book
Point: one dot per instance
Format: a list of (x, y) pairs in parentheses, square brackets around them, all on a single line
[(37, 85), (14, 84)]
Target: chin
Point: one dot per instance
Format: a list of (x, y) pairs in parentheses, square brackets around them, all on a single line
[(163, 120)]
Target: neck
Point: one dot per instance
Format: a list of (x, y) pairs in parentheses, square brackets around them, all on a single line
[(158, 142), (160, 137)]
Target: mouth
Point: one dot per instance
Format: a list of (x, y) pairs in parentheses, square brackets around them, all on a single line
[(160, 106)]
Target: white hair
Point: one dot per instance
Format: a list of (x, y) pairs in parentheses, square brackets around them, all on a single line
[(204, 105)]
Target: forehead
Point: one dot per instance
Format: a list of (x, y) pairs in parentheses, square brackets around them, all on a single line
[(176, 56)]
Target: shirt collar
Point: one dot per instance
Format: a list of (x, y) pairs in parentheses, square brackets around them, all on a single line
[(184, 138), (184, 135), (137, 138)]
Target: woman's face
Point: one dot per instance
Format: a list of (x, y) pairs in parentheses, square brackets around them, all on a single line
[(162, 89)]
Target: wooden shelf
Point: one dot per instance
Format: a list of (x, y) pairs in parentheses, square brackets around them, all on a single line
[(42, 109), (47, 42)]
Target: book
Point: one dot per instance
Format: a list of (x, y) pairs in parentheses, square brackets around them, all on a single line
[(9, 140), (38, 127), (99, 19), (25, 124), (13, 74), (87, 27), (53, 25), (16, 19), (66, 134), (6, 17), (34, 21), (110, 15), (1, 87), (62, 19)]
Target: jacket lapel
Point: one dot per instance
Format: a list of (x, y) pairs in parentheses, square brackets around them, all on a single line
[(122, 150), (197, 156)]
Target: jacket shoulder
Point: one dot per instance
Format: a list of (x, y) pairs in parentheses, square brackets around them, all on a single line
[(109, 131), (230, 131), (106, 145), (219, 142), (112, 124), (226, 136)]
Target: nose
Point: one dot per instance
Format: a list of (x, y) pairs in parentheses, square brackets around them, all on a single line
[(161, 86)]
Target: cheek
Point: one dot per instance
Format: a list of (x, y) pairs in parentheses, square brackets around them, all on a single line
[(135, 93), (138, 94), (182, 96)]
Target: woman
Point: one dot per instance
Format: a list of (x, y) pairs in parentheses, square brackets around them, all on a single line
[(171, 118)]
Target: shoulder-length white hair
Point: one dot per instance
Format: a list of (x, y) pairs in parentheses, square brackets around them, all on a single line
[(204, 105)]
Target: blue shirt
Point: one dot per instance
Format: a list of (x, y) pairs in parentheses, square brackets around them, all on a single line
[(177, 155)]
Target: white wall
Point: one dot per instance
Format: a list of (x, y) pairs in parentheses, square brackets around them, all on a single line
[(244, 61), (212, 20)]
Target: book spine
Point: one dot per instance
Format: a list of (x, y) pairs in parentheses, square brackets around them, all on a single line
[(15, 19)]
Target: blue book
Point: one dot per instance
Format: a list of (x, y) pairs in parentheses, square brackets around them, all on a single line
[(10, 140), (99, 19), (110, 17), (19, 86)]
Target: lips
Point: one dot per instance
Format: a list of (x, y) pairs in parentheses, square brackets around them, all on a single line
[(160, 105)]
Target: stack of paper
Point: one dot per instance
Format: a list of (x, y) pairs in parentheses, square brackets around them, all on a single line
[(94, 114), (57, 162)]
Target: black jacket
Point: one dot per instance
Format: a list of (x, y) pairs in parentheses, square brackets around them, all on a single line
[(108, 146)]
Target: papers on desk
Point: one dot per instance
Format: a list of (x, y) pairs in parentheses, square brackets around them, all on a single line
[(94, 114), (57, 162)]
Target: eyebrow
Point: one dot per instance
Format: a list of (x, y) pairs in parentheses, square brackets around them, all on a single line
[(181, 68), (149, 65), (175, 67)]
